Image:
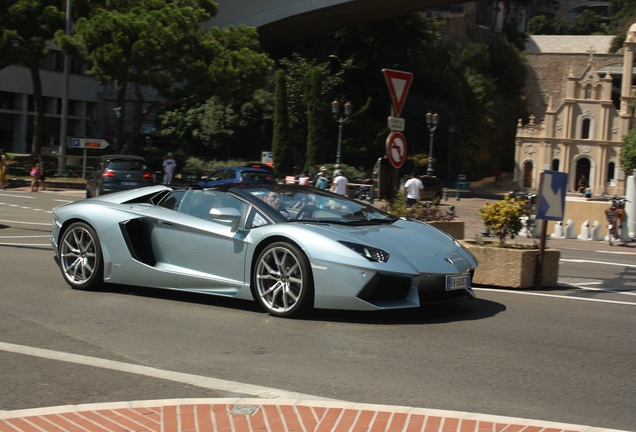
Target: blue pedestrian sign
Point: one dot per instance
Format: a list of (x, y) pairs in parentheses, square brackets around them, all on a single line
[(551, 196)]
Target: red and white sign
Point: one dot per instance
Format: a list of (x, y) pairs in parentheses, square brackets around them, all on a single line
[(399, 83), (396, 149)]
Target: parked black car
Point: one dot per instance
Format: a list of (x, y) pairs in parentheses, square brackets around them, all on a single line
[(433, 188), (114, 173)]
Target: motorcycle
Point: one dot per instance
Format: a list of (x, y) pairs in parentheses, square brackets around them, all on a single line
[(615, 217)]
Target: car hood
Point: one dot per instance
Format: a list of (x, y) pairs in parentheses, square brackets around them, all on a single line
[(413, 241)]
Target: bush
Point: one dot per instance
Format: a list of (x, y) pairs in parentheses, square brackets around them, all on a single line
[(503, 218), (422, 210)]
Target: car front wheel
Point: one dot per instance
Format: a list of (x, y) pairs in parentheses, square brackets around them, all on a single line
[(81, 257), (282, 280)]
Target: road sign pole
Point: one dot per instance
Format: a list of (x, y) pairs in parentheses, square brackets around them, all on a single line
[(538, 273), (85, 152)]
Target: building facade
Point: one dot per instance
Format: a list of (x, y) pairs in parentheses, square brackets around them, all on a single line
[(579, 118)]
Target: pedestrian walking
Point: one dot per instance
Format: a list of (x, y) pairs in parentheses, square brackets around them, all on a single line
[(41, 173), (169, 166), (3, 169), (34, 173), (340, 183), (413, 189)]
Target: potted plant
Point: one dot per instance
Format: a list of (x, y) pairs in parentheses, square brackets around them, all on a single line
[(511, 265)]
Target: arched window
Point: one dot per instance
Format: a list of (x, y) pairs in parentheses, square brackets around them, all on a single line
[(588, 91), (585, 128), (555, 165), (611, 171)]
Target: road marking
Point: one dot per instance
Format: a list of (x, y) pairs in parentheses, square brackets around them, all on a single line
[(25, 223), (194, 380), (597, 262), (557, 296), (44, 236)]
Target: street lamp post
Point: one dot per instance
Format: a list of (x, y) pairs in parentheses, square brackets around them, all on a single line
[(431, 121), (335, 109)]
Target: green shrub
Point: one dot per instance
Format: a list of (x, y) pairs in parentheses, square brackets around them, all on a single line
[(503, 218)]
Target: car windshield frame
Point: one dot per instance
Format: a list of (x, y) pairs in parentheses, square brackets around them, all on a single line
[(310, 205)]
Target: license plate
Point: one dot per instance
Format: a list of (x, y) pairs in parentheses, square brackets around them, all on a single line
[(457, 282), (129, 183)]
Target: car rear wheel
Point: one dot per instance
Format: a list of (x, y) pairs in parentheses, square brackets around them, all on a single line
[(282, 280), (81, 257)]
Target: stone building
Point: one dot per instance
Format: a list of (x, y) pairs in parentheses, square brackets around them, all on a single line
[(579, 98)]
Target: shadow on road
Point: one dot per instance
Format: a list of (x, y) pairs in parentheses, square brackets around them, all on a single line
[(468, 310)]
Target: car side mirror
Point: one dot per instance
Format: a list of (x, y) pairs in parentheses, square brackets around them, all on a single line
[(226, 215)]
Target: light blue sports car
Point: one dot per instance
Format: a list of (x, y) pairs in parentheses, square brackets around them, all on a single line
[(290, 248)]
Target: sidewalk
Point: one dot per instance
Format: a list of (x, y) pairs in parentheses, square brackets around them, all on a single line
[(207, 415)]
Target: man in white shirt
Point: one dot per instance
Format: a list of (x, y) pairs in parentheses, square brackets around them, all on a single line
[(339, 184), (169, 166), (413, 188)]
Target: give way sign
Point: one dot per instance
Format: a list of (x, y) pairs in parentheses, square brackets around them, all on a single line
[(399, 83)]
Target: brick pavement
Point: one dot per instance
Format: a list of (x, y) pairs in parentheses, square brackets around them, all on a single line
[(211, 415)]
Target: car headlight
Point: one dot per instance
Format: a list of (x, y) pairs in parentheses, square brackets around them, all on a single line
[(369, 252)]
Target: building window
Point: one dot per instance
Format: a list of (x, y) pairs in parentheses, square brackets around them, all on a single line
[(555, 165), (588, 91), (611, 171), (585, 128)]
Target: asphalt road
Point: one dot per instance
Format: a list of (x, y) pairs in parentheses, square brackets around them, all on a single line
[(562, 355)]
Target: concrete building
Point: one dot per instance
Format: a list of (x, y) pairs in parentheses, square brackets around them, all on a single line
[(579, 98)]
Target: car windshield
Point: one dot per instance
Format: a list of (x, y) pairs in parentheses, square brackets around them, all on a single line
[(304, 204), (128, 165)]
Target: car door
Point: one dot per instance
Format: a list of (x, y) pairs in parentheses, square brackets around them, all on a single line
[(202, 252)]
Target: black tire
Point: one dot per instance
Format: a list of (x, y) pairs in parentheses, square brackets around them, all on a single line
[(282, 282), (80, 257)]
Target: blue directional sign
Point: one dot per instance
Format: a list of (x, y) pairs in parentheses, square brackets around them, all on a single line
[(551, 196)]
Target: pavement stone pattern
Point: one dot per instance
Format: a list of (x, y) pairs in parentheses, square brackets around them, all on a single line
[(205, 415)]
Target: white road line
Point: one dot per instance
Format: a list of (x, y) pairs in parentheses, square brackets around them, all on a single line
[(27, 244), (25, 223), (597, 262), (42, 236), (194, 380), (556, 296)]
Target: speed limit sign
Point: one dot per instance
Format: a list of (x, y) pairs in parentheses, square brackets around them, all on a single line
[(396, 149)]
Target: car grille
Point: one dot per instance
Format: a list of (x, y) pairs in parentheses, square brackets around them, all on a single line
[(431, 289)]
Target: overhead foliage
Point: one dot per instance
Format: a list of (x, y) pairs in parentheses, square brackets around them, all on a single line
[(163, 45), (25, 28), (628, 152)]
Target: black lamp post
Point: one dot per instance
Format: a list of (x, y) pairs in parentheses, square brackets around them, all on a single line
[(335, 109), (431, 121)]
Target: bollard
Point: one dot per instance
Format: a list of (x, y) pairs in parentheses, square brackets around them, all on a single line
[(597, 231), (569, 230), (585, 231), (558, 230)]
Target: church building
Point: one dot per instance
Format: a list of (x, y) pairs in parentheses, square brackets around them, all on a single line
[(581, 104)]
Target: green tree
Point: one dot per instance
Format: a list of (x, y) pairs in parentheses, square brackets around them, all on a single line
[(540, 25), (315, 111), (628, 152), (587, 23), (281, 146), (25, 28), (161, 44)]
